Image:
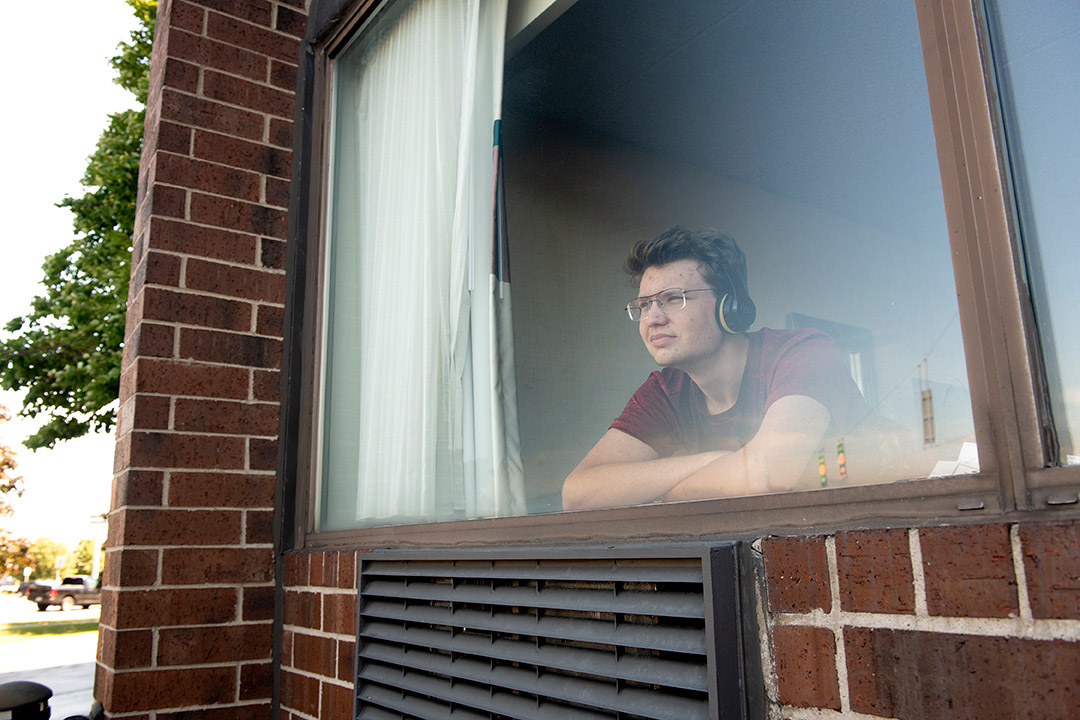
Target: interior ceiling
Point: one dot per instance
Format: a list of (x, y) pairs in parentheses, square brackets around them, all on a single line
[(804, 100)]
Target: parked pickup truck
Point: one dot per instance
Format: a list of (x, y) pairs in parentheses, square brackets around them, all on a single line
[(73, 590)]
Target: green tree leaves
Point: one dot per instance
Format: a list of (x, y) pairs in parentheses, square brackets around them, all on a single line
[(66, 351)]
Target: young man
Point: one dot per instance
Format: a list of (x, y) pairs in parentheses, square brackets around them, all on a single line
[(732, 412)]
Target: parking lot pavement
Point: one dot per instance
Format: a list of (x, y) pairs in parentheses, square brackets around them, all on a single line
[(62, 662)]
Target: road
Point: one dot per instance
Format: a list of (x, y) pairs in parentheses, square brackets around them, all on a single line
[(63, 662)]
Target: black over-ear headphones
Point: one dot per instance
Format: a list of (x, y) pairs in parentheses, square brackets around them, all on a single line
[(735, 311)]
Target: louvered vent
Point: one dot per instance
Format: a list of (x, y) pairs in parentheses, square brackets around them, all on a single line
[(559, 637)]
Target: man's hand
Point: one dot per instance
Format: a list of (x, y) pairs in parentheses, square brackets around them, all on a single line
[(621, 470)]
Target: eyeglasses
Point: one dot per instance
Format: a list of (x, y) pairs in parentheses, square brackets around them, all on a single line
[(668, 300)]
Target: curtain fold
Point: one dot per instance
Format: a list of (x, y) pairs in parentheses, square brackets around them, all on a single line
[(415, 402)]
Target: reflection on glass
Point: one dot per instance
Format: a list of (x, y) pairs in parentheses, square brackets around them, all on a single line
[(803, 130), (1037, 53)]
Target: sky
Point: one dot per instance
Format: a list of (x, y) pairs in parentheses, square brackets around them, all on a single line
[(59, 91)]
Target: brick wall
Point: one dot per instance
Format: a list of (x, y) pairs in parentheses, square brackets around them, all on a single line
[(318, 641), (969, 622), (189, 602)]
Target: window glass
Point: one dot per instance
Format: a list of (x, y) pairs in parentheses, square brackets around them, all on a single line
[(1037, 53), (801, 130)]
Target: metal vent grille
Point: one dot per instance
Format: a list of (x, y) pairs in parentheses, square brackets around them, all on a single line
[(557, 637)]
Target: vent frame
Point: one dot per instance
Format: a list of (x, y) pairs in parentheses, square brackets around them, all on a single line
[(627, 633)]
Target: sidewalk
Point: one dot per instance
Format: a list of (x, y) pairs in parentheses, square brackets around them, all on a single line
[(62, 662)]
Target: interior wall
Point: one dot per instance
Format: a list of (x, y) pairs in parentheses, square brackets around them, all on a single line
[(575, 206)]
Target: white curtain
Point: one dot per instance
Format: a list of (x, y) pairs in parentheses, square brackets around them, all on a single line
[(416, 413)]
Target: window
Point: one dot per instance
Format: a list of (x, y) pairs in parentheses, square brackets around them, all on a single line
[(836, 148), (1037, 56)]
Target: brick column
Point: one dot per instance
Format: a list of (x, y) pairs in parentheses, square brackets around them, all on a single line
[(186, 622)]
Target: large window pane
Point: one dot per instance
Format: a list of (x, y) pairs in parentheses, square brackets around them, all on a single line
[(1037, 52), (803, 130)]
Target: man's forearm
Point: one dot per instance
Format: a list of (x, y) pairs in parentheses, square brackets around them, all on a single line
[(630, 483)]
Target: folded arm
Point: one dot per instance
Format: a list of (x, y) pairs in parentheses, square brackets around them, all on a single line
[(622, 470)]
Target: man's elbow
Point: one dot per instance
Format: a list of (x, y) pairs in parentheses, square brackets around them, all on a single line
[(573, 495)]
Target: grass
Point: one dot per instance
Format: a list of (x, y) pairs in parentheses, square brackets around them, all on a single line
[(20, 631)]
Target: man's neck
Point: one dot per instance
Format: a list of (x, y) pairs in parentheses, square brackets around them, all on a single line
[(720, 378)]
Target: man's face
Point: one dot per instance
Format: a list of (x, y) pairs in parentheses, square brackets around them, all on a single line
[(683, 338)]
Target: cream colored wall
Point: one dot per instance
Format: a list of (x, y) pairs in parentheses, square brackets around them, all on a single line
[(576, 206)]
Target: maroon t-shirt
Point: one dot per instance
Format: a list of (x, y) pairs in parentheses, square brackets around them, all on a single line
[(668, 412)]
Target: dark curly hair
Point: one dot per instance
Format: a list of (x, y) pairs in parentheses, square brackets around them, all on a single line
[(715, 252)]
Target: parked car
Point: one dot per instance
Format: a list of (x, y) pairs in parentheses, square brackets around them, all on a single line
[(9, 584), (73, 590)]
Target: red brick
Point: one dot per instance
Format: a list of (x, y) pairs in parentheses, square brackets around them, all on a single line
[(295, 569), (231, 214), (283, 75), (169, 202), (193, 309), (147, 412), (262, 454), (130, 568), (186, 16), (158, 269), (347, 569), (303, 609), (281, 132), (266, 385), (153, 340), (256, 11), (162, 526), (209, 177), (902, 674), (225, 416), (337, 702), (874, 568), (270, 320), (254, 38), (314, 654), (171, 377), (237, 153), (224, 490), (205, 52), (258, 603), (317, 567), (174, 138), (213, 644), (235, 281), (202, 241), (272, 254), (231, 348), (259, 527), (149, 689), (247, 94), (288, 21), (329, 569), (806, 666), (1052, 565), (277, 192), (256, 681), (300, 693), (797, 574), (969, 571), (347, 660), (175, 606), (178, 450), (137, 487), (186, 566), (181, 75), (339, 614), (125, 649), (203, 113)]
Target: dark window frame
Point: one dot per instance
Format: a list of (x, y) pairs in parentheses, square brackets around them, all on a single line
[(997, 327)]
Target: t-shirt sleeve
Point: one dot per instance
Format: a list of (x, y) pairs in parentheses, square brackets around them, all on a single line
[(650, 416), (812, 365)]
